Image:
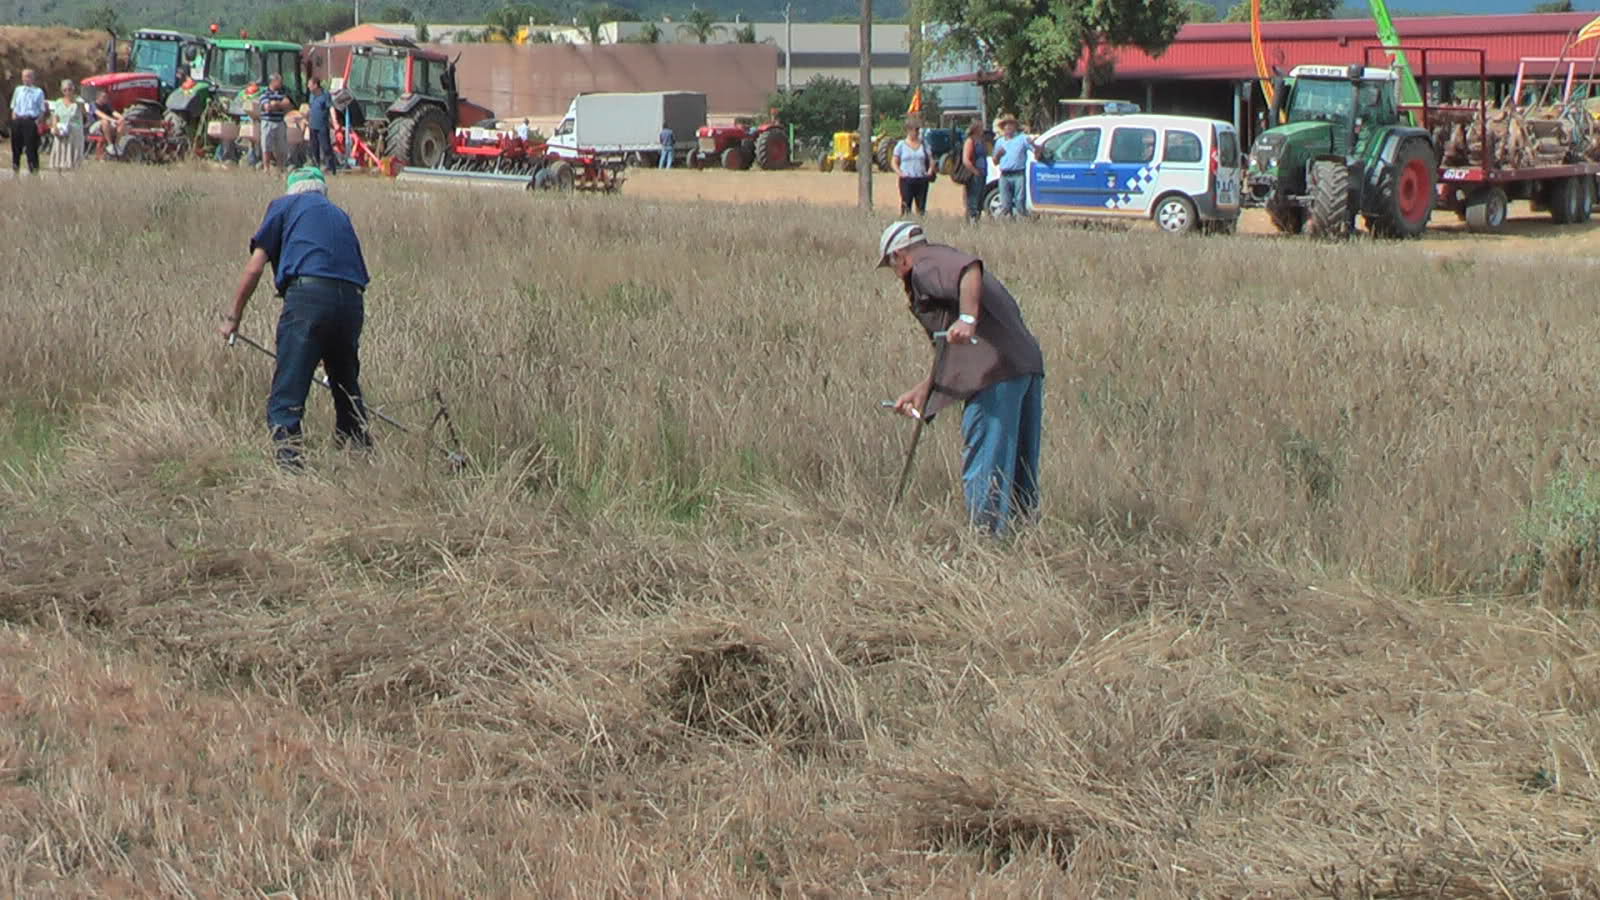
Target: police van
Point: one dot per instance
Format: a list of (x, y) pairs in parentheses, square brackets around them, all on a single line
[(1183, 172)]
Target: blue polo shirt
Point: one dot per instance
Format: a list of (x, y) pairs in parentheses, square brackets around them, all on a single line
[(1013, 152), (305, 234), (321, 107)]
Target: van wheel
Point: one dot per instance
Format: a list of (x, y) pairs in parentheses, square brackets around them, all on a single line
[(991, 201), (1176, 214)]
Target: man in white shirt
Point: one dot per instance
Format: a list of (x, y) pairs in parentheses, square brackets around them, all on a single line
[(27, 108)]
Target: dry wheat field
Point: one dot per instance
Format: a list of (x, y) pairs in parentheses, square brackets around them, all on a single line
[(1312, 610)]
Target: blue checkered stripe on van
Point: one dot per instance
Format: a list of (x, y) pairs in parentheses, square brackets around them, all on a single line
[(1137, 181)]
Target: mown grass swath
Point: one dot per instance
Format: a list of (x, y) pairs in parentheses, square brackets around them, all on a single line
[(1311, 609)]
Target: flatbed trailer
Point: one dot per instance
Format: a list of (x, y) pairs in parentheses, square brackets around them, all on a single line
[(1473, 181)]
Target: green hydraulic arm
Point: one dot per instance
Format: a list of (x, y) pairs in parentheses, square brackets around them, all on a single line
[(1390, 38)]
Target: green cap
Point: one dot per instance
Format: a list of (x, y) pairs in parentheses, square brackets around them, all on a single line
[(306, 178)]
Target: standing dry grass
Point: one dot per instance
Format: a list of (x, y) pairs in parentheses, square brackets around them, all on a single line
[(1311, 612)]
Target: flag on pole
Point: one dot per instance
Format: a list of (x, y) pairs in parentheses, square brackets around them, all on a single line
[(1591, 30), (916, 99)]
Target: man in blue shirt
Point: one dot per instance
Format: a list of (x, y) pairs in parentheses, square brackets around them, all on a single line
[(27, 108), (321, 125), (274, 136), (1011, 154), (318, 269), (667, 139)]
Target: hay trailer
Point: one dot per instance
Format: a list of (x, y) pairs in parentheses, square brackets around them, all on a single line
[(1541, 145)]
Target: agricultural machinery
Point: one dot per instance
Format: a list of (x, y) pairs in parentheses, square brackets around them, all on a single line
[(403, 98), (162, 85), (482, 152), (738, 147), (846, 151), (1343, 149), (238, 71)]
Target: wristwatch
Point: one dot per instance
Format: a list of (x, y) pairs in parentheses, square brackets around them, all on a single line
[(970, 320)]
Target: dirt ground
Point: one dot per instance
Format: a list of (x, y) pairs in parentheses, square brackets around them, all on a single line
[(1525, 231)]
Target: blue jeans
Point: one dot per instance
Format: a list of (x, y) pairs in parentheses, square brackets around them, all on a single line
[(322, 151), (666, 158), (321, 322), (977, 188), (1013, 194), (1000, 431)]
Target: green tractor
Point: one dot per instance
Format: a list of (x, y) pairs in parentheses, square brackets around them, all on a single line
[(237, 71), (1342, 149)]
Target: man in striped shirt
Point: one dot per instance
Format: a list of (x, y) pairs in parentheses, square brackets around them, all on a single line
[(274, 135)]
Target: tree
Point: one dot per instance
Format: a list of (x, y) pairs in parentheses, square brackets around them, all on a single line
[(890, 102), (700, 24), (395, 13), (1553, 6), (1198, 11), (303, 22), (1040, 42), (422, 32), (611, 12), (1284, 10), (101, 18), (649, 33), (824, 105), (744, 34), (593, 24)]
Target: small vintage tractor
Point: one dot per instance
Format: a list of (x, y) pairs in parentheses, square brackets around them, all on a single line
[(1343, 149), (404, 99), (846, 151), (739, 147)]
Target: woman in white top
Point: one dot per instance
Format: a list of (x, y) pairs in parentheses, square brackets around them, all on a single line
[(913, 162), (68, 118)]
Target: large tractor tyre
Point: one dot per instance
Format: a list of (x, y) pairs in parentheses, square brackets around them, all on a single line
[(747, 153), (881, 154), (1330, 199), (1486, 210), (1585, 190), (1288, 219), (558, 176), (948, 163), (733, 159), (1409, 187), (131, 148), (1566, 201), (825, 162), (1175, 214), (422, 139), (848, 164), (772, 150)]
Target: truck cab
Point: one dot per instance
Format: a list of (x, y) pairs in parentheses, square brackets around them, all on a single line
[(1342, 149)]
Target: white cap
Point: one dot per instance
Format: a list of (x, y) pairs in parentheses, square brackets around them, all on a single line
[(898, 236)]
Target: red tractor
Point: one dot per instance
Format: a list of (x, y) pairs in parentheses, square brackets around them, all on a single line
[(738, 146), (403, 99)]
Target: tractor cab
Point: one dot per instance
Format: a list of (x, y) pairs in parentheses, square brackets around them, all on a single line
[(1342, 149), (160, 62), (235, 66), (410, 95)]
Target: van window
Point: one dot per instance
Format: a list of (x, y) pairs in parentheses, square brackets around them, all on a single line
[(1079, 145), (1133, 145), (1228, 149), (1182, 147)]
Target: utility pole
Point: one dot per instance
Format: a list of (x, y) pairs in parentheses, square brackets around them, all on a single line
[(788, 52), (864, 152), (358, 13)]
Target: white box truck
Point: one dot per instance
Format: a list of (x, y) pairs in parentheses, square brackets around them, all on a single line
[(629, 125)]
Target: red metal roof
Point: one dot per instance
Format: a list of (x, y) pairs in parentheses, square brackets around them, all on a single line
[(1222, 50)]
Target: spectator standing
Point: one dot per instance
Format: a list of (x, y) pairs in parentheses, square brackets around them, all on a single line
[(274, 137), (27, 108), (523, 131), (320, 122), (667, 140), (975, 161), (913, 162), (67, 119), (1011, 153)]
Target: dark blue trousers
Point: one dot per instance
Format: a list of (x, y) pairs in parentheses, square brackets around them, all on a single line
[(320, 323)]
